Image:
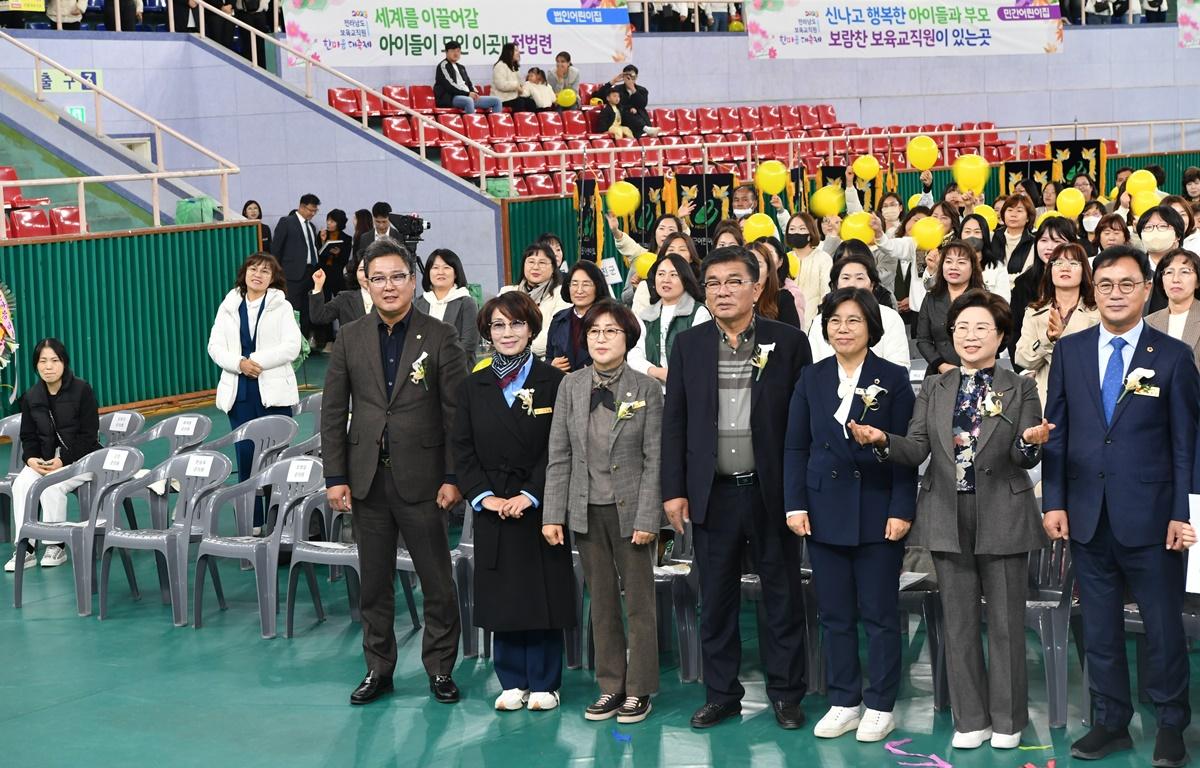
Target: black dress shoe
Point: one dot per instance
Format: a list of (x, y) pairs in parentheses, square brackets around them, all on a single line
[(1169, 751), (1101, 742), (443, 688), (711, 714), (789, 716), (372, 687)]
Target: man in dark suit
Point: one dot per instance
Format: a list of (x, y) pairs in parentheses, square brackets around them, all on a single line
[(294, 244), (395, 465), (1118, 467), (633, 101), (381, 214), (724, 421)]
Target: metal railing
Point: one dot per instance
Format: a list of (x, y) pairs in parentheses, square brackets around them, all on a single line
[(224, 167)]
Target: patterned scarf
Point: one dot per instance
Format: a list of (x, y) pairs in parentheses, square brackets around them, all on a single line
[(602, 382), (506, 368)]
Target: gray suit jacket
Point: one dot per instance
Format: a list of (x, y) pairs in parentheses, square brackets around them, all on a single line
[(633, 454), (418, 416), (1191, 327), (1009, 519), (460, 313)]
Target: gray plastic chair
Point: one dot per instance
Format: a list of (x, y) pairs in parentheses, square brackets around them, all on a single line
[(117, 427), (678, 595), (270, 436), (310, 447), (305, 554), (10, 427), (1048, 613), (310, 404), (183, 432), (197, 474), (261, 552), (462, 563), (108, 467)]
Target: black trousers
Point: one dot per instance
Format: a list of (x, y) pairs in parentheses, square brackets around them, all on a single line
[(128, 15), (379, 521), (737, 522), (297, 296)]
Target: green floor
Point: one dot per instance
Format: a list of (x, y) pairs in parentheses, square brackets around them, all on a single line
[(135, 690)]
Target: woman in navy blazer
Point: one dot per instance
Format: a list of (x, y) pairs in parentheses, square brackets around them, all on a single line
[(854, 509)]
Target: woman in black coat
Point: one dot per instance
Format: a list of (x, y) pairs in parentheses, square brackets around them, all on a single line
[(524, 588), (348, 305)]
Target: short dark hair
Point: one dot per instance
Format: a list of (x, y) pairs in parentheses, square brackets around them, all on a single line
[(730, 254), (1109, 256), (814, 229), (999, 309), (630, 69), (865, 301), (1061, 226), (687, 276), (563, 55), (1169, 215), (1110, 221), (1190, 257), (386, 246), (693, 254), (1160, 174), (380, 209), (452, 261), (1123, 169), (540, 248), (249, 203), (1023, 200), (309, 198), (1190, 174), (339, 218), (867, 261), (278, 280), (731, 227), (940, 286), (55, 346), (909, 215), (550, 239), (950, 211), (1188, 217), (452, 45), (852, 248), (621, 315), (590, 269), (1091, 183), (1087, 288), (515, 305)]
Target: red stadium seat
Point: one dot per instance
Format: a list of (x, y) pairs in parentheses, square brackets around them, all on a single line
[(685, 120), (422, 98), (532, 164), (454, 123), (456, 160), (577, 157), (586, 90), (575, 124), (31, 222), (813, 165), (476, 127), (664, 120), (740, 151), (718, 153), (819, 148), (765, 146), (501, 165), (603, 159), (828, 116), (519, 187), (399, 130), (709, 120), (551, 123), (673, 153), (528, 127), (769, 117), (372, 104), (631, 155), (929, 128), (398, 93), (728, 120), (809, 118), (750, 118), (558, 182), (789, 118), (695, 155), (651, 147), (501, 125), (541, 184), (683, 168), (344, 100), (1111, 147), (64, 220), (13, 196)]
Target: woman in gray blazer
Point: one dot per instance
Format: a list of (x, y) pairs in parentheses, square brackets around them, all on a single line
[(980, 548), (958, 271), (348, 305), (602, 480), (1178, 273), (448, 299)]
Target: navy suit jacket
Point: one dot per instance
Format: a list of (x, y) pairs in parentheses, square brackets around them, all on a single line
[(290, 247), (848, 493), (1142, 463), (689, 432)]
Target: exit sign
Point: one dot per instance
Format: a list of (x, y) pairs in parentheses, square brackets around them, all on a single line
[(79, 113)]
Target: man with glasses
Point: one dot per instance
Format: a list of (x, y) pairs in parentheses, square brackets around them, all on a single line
[(294, 244), (393, 463), (729, 385), (1116, 476)]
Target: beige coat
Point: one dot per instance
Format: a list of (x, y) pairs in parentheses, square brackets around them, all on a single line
[(1034, 349), (1191, 328)]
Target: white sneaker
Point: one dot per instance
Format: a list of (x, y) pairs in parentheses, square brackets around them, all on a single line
[(650, 130), (543, 700), (1006, 740), (875, 725), (55, 554), (970, 739), (837, 720), (511, 699), (11, 565)]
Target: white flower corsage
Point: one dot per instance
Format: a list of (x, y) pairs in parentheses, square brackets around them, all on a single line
[(1135, 382), (526, 398), (625, 410), (870, 397), (418, 371), (761, 353), (993, 405)]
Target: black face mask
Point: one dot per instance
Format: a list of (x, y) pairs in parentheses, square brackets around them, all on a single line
[(798, 239), (976, 243)]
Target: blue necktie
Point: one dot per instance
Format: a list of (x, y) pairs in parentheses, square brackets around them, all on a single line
[(1114, 377)]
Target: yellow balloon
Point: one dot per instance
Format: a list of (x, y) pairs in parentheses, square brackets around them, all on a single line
[(1070, 202), (756, 226), (623, 198), (857, 226), (484, 363), (827, 201), (989, 215), (922, 152), (1142, 201), (771, 177), (567, 98), (793, 265), (1141, 181), (1113, 194), (1037, 224), (928, 233), (866, 167), (737, 26), (971, 172), (642, 264), (913, 201)]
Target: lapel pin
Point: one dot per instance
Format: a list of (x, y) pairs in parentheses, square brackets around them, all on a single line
[(418, 337), (628, 394), (1149, 349)]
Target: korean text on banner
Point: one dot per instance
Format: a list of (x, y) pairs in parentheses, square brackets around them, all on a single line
[(873, 29), (377, 33)]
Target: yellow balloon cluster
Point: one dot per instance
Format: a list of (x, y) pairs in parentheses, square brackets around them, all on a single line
[(1140, 202), (757, 225), (771, 177), (1141, 181), (793, 265), (913, 201), (623, 198), (971, 172), (989, 215), (827, 201), (1070, 202), (866, 167), (567, 98), (928, 233), (922, 152), (642, 263), (857, 226)]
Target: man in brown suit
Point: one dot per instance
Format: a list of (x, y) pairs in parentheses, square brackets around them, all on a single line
[(393, 462)]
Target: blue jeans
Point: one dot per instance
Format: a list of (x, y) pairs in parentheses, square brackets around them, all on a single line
[(1096, 18), (468, 105), (1137, 19), (720, 21)]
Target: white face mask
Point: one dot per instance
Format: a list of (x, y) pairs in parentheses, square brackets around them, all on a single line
[(742, 212), (1157, 242), (1090, 222)]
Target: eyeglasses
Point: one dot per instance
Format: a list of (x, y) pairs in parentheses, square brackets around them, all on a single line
[(1180, 272), (531, 262), (1060, 263), (1127, 287), (399, 278), (516, 325), (852, 323), (733, 284), (607, 334), (1158, 228), (962, 329)]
